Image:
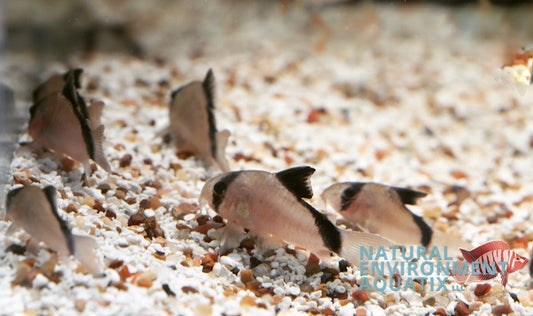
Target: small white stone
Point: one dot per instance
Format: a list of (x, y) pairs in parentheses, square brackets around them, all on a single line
[(39, 281)]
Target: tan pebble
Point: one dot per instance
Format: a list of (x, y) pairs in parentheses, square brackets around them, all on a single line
[(248, 301), (120, 194), (155, 203), (518, 243), (475, 306), (175, 166), (196, 261), (25, 274), (144, 279), (67, 164), (80, 305), (328, 311), (360, 311), (48, 267), (145, 204), (89, 201), (502, 310)]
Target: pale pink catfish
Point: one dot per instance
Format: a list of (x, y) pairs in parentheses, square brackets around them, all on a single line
[(34, 210), (380, 209), (492, 253), (62, 122), (193, 125), (56, 83), (271, 204)]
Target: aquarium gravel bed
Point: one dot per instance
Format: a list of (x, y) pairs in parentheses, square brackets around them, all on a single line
[(359, 99)]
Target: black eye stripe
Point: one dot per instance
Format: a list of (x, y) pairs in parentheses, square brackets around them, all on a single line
[(219, 188), (349, 193)]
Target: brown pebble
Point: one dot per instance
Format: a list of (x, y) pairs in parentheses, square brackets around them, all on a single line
[(155, 203), (120, 193), (71, 208), (148, 161), (482, 289), (80, 305), (104, 187), (99, 206), (152, 228), (203, 229), (116, 264), (145, 204), (125, 161), (502, 310), (202, 219), (312, 268), (360, 296), (247, 276), (67, 164), (313, 259), (315, 114), (137, 219), (328, 311), (131, 200), (189, 289), (461, 309), (124, 273), (209, 261), (248, 300), (440, 312), (110, 214), (180, 226), (218, 219), (247, 244), (121, 286), (156, 184)]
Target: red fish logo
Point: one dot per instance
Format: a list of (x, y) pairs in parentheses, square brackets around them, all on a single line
[(491, 258)]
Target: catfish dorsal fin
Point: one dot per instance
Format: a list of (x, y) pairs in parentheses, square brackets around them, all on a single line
[(408, 196), (50, 193), (209, 88), (297, 181)]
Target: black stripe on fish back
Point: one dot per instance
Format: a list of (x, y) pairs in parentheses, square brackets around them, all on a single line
[(209, 89), (219, 188), (80, 110), (349, 194), (331, 235), (50, 192), (425, 230)]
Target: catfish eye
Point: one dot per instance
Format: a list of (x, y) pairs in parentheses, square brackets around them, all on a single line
[(349, 192), (219, 188)]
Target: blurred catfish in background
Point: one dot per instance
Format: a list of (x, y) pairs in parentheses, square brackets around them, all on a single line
[(62, 122), (271, 204), (56, 83), (380, 209), (193, 124), (34, 210)]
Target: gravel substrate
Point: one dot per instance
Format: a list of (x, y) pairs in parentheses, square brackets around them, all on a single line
[(409, 96)]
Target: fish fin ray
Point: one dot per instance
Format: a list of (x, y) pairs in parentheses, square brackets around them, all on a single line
[(352, 242), (99, 156), (222, 138), (95, 113), (297, 180), (477, 252), (84, 253)]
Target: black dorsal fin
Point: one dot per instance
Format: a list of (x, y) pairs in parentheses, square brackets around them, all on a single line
[(80, 110), (209, 89), (409, 196), (11, 194), (297, 180), (50, 193)]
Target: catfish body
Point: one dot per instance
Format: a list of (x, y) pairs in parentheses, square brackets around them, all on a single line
[(34, 210), (62, 122), (381, 209), (193, 124), (271, 204)]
